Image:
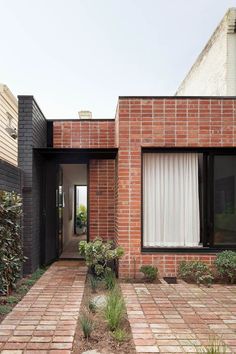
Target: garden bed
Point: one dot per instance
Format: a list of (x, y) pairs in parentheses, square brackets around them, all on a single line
[(7, 302), (101, 338)]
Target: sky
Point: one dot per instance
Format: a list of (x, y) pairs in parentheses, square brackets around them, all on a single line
[(74, 55)]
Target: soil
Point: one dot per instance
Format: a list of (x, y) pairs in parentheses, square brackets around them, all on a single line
[(101, 339)]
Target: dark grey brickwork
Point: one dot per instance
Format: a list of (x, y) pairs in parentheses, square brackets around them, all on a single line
[(32, 134), (10, 177)]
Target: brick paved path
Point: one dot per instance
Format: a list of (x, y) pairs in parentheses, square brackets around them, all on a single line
[(177, 318), (45, 319)]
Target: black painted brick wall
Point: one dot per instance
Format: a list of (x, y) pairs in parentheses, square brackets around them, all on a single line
[(10, 177), (32, 134)]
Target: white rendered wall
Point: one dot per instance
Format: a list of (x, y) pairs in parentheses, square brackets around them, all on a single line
[(208, 76)]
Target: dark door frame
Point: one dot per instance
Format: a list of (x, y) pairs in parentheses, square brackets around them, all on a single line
[(55, 157)]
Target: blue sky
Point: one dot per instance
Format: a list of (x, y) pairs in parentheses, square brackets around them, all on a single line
[(83, 54)]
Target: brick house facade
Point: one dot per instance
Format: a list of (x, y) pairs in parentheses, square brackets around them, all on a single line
[(205, 126)]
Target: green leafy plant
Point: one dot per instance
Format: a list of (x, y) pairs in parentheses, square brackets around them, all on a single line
[(195, 271), (22, 289), (120, 335), (37, 274), (81, 216), (93, 281), (11, 250), (12, 300), (99, 255), (215, 347), (4, 309), (87, 324), (115, 309), (226, 265), (150, 272), (29, 282), (109, 279)]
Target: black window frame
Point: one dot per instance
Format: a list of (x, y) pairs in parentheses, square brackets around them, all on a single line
[(207, 222)]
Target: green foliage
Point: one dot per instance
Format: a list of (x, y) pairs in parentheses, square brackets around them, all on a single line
[(226, 265), (215, 347), (150, 272), (12, 300), (92, 306), (81, 216), (98, 254), (11, 250), (120, 335), (22, 289), (93, 281), (4, 309), (29, 282), (37, 274), (109, 279), (195, 271), (115, 309), (86, 323)]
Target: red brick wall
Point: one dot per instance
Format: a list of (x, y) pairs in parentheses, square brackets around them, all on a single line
[(101, 199), (84, 134), (161, 122)]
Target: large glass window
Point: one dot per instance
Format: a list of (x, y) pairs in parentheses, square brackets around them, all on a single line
[(189, 200), (224, 200)]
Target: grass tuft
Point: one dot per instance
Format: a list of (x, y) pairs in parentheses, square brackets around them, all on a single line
[(115, 309), (86, 323), (109, 279)]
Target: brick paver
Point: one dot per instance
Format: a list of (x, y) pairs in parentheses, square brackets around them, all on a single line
[(44, 321), (180, 318)]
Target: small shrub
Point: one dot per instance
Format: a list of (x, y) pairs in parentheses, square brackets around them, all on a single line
[(109, 279), (29, 282), (115, 309), (93, 281), (226, 265), (92, 306), (99, 255), (195, 271), (37, 274), (86, 323), (22, 290), (150, 272), (120, 335), (5, 309), (11, 250), (12, 300)]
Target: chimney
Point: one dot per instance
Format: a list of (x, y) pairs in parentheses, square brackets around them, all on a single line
[(85, 115)]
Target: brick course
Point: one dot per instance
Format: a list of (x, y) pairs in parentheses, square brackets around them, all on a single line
[(84, 134)]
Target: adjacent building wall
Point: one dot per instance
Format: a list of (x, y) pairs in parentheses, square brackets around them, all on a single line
[(214, 72), (32, 134), (8, 116)]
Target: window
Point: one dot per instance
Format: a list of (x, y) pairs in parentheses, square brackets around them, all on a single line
[(224, 200), (189, 200)]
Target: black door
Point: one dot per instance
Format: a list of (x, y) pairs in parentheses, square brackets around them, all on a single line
[(52, 212)]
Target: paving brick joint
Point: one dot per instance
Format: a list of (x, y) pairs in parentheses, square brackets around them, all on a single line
[(45, 319), (180, 318)]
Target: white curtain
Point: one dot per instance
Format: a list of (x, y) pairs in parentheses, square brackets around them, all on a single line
[(171, 200)]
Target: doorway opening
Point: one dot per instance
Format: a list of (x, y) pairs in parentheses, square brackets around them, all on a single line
[(74, 213)]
